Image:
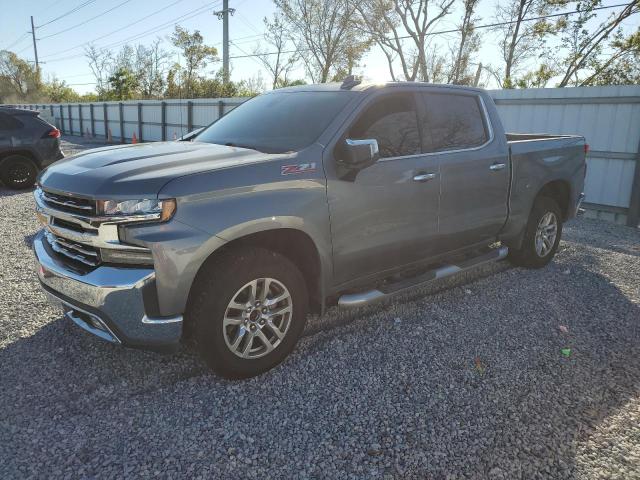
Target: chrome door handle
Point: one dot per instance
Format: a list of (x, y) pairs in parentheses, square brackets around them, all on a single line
[(497, 166), (423, 177)]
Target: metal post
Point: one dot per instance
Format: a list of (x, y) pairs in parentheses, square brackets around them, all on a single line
[(224, 16), (106, 121), (51, 110), (35, 48), (70, 119), (121, 110), (633, 214), (93, 120), (62, 119), (189, 116), (220, 109), (80, 115), (163, 115), (140, 122)]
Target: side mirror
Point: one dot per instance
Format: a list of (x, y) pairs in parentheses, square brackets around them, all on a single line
[(360, 153)]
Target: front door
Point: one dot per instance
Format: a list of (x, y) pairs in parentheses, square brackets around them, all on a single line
[(386, 215)]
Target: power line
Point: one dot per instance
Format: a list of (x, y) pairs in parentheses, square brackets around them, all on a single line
[(20, 39), (84, 22), (73, 10), (115, 31), (453, 30)]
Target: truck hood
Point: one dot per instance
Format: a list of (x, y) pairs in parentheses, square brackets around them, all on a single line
[(141, 170)]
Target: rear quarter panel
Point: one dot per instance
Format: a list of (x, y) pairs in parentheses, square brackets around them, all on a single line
[(536, 163)]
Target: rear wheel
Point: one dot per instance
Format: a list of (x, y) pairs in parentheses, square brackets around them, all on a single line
[(541, 236), (248, 310), (18, 172)]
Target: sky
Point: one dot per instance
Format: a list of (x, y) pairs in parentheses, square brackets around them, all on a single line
[(112, 23)]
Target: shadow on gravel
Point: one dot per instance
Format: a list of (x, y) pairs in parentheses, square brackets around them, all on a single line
[(522, 415), (6, 192)]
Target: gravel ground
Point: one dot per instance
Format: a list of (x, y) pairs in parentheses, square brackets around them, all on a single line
[(464, 380)]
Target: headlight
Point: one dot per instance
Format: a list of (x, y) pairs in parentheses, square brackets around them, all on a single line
[(147, 209)]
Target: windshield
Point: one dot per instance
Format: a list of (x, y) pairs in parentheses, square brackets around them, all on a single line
[(277, 122)]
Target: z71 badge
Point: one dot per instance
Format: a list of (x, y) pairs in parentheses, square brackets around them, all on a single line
[(299, 168)]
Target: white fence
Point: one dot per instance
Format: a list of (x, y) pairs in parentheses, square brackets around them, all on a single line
[(609, 118)]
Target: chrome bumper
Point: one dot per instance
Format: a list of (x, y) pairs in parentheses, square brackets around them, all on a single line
[(108, 301)]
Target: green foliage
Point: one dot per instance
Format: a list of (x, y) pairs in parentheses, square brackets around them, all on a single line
[(195, 54), (57, 91), (122, 85), (19, 81), (536, 78)]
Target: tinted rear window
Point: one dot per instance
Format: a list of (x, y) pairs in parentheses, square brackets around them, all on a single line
[(9, 122), (452, 122), (277, 122)]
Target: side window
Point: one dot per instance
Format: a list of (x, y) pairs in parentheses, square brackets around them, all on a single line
[(392, 121), (452, 121), (7, 122)]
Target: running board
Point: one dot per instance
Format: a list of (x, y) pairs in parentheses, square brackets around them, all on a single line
[(365, 298)]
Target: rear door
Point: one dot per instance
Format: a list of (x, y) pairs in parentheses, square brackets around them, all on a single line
[(386, 215), (9, 129), (474, 167)]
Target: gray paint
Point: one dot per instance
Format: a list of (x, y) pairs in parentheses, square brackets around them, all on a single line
[(363, 228)]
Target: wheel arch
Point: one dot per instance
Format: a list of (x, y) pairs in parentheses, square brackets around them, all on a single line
[(293, 243), (558, 190)]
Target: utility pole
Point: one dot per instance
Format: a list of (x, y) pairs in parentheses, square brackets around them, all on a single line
[(35, 48), (224, 16), (478, 72)]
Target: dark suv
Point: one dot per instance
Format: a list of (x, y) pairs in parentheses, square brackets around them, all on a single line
[(27, 145)]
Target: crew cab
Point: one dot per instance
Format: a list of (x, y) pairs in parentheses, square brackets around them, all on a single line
[(296, 200)]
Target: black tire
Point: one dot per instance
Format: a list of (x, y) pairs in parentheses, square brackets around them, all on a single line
[(18, 172), (217, 284), (527, 255)]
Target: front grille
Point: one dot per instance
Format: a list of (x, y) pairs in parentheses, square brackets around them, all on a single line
[(67, 203), (78, 252)]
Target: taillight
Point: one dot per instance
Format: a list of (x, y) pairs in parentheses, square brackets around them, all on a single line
[(586, 148), (53, 133)]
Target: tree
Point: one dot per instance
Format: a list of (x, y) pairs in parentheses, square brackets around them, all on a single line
[(122, 84), (195, 53), (276, 59), (537, 78), (468, 44), (400, 28), (19, 81), (586, 45), (151, 69), (326, 35), (57, 91), (619, 68), (520, 39), (100, 62)]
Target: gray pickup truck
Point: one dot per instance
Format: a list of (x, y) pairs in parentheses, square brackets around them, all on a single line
[(298, 199)]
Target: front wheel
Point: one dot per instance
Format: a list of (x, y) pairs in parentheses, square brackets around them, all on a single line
[(541, 236), (248, 310)]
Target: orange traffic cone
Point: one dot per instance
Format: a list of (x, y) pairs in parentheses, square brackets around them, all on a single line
[(134, 139)]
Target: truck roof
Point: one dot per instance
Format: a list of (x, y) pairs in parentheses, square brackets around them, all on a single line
[(365, 86)]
